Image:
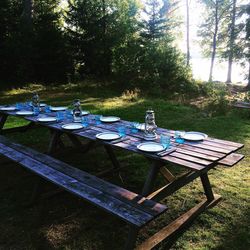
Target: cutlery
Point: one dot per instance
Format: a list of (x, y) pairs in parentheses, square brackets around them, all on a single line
[(120, 140), (166, 152)]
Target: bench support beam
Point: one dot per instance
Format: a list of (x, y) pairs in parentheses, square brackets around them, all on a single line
[(179, 224)]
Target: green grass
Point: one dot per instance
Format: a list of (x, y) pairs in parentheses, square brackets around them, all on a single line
[(65, 222)]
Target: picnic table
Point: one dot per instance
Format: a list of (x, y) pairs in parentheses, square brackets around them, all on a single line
[(198, 158)]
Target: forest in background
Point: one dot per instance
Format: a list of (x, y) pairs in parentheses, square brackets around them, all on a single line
[(130, 42)]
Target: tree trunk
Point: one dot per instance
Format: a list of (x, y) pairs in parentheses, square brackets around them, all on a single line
[(231, 43), (188, 47), (27, 12), (214, 45), (248, 83)]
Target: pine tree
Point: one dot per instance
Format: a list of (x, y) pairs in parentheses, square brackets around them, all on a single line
[(154, 24)]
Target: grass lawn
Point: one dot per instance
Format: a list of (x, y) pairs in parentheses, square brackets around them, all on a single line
[(65, 222)]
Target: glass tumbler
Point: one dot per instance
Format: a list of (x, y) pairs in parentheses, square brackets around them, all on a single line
[(85, 121), (165, 139), (122, 131), (134, 127), (179, 136), (98, 119), (59, 116)]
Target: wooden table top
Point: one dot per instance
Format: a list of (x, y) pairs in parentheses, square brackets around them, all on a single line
[(192, 155)]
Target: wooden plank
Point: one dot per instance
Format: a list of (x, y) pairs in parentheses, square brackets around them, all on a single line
[(218, 145), (81, 176), (167, 174), (199, 155), (230, 143), (188, 164), (191, 159), (95, 196), (238, 105), (231, 159), (175, 185), (177, 225), (200, 150), (212, 148)]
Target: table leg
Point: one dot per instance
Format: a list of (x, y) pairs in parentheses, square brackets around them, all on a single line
[(112, 156), (132, 235), (154, 170), (207, 187), (55, 136), (75, 140), (3, 118)]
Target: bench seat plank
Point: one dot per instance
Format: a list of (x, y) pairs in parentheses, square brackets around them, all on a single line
[(125, 209), (120, 193)]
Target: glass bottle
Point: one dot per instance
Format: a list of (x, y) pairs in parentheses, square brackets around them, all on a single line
[(77, 112)]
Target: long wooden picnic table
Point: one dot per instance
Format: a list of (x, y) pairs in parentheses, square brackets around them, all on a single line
[(197, 157)]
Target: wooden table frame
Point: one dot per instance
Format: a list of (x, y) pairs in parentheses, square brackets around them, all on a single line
[(198, 158)]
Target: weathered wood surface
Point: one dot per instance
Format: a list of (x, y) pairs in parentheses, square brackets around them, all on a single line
[(240, 104), (192, 155), (231, 159), (131, 207), (178, 224)]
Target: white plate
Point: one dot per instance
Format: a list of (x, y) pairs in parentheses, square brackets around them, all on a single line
[(83, 112), (42, 104), (24, 113), (109, 119), (151, 147), (72, 126), (58, 108), (107, 136), (46, 119), (194, 136), (8, 108)]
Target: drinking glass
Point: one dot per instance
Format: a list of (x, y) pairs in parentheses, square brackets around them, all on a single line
[(179, 136), (134, 127), (59, 116), (69, 115), (47, 109), (85, 121), (36, 111), (98, 119), (165, 139), (121, 130), (19, 106)]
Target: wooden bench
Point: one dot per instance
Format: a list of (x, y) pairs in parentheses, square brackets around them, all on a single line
[(241, 104), (134, 209)]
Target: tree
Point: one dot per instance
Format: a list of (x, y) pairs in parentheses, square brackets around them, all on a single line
[(231, 41), (154, 24), (95, 30), (210, 29), (187, 31)]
